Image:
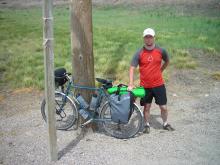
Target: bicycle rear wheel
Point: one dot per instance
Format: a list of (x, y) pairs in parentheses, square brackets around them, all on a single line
[(65, 109), (121, 131)]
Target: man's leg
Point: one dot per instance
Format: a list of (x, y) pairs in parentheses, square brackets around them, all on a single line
[(164, 115), (146, 102), (147, 118), (161, 100), (147, 112)]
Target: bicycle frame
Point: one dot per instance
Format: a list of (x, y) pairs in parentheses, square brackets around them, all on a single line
[(100, 91)]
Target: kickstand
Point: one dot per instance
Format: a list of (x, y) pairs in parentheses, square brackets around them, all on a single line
[(86, 123)]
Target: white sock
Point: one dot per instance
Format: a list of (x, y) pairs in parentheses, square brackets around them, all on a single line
[(147, 124), (165, 123)]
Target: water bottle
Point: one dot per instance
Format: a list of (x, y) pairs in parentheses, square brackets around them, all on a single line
[(93, 102), (84, 113), (83, 103)]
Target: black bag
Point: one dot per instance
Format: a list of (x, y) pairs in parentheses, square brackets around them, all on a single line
[(122, 107), (60, 76)]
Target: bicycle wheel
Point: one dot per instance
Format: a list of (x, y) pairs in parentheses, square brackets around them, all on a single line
[(121, 131), (66, 112)]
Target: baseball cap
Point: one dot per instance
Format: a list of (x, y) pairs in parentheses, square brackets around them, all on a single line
[(149, 31)]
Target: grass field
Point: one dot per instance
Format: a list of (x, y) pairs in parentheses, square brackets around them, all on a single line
[(117, 34)]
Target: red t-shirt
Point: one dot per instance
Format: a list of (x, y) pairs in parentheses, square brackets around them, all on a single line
[(150, 62)]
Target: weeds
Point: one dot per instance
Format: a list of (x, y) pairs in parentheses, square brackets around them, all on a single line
[(182, 59), (216, 75)]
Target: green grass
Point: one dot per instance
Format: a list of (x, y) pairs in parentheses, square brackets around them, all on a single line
[(117, 35)]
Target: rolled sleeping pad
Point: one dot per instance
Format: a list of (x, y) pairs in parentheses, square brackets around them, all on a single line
[(138, 91)]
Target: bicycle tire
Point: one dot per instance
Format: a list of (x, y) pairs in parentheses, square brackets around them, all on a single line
[(68, 112), (121, 131)]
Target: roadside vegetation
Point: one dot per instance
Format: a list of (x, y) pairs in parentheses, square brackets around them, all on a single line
[(117, 34)]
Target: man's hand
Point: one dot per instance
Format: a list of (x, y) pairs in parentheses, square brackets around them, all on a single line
[(130, 87)]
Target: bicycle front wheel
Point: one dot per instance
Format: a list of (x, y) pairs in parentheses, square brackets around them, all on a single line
[(65, 109), (121, 131)]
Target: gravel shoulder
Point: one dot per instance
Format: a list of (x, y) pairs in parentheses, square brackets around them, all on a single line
[(194, 102)]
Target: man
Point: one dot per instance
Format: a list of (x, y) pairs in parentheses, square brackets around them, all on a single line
[(152, 61)]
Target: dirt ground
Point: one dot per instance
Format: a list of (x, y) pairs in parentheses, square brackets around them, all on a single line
[(193, 102)]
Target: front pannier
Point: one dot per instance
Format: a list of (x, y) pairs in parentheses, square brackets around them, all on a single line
[(60, 76)]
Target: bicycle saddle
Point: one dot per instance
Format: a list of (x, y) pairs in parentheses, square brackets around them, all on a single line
[(103, 81), (106, 83)]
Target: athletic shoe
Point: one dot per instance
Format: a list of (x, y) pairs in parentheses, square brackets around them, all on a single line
[(146, 129), (168, 127)]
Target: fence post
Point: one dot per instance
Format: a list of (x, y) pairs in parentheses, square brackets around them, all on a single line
[(49, 77)]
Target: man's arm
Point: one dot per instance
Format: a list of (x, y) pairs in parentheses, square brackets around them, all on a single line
[(166, 60), (165, 64), (134, 64), (131, 78)]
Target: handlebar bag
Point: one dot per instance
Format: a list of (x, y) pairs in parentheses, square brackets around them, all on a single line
[(60, 76)]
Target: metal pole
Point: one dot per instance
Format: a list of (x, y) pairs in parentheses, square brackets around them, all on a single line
[(49, 77)]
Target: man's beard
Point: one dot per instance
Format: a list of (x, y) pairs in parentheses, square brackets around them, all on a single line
[(149, 47)]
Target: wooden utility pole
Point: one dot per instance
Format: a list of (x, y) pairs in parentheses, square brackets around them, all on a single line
[(82, 44), (49, 77)]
